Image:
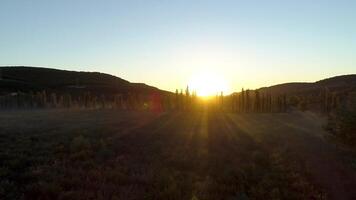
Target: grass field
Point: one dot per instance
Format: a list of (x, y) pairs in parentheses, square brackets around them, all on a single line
[(103, 154)]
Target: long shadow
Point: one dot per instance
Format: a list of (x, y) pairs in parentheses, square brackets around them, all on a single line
[(204, 154), (228, 148), (163, 152), (142, 140)]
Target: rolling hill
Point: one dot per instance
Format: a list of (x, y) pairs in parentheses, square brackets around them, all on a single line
[(25, 79), (337, 83)]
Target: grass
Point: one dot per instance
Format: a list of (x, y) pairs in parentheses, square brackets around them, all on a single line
[(110, 155)]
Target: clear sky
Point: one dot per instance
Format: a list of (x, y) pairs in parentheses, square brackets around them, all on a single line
[(164, 43)]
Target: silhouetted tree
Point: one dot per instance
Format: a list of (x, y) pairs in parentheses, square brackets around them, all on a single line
[(248, 100), (242, 101), (234, 102), (176, 100), (257, 101), (187, 98), (263, 102), (268, 102)]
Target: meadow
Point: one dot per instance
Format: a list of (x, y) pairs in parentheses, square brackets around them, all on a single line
[(200, 155)]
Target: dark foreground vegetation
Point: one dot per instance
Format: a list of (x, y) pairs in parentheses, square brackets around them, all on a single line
[(142, 155), (342, 121)]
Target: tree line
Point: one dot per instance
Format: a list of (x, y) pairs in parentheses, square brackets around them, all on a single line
[(251, 101), (245, 101)]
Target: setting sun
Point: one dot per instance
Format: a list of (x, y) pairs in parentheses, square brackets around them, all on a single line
[(208, 84)]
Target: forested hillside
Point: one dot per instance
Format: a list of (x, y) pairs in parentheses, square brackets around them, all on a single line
[(33, 87), (24, 79)]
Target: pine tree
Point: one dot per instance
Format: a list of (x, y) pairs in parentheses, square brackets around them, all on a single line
[(263, 104), (234, 102), (187, 98), (248, 103), (257, 101), (242, 101), (269, 103), (279, 103), (177, 100)]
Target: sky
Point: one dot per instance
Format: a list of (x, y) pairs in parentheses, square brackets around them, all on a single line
[(164, 43)]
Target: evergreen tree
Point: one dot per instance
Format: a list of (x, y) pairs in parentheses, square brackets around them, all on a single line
[(177, 100), (263, 103), (233, 103), (269, 103), (187, 98), (279, 103), (257, 101), (242, 101), (248, 102)]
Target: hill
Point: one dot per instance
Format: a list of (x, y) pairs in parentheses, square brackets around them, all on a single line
[(25, 79), (337, 83)]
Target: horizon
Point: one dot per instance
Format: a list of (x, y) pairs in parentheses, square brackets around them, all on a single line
[(168, 44), (184, 87)]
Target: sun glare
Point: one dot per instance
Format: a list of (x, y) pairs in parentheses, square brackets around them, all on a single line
[(208, 84)]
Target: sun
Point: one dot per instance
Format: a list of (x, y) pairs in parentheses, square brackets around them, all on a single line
[(208, 84)]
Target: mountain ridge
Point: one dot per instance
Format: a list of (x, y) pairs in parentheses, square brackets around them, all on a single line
[(24, 78), (28, 78), (339, 82)]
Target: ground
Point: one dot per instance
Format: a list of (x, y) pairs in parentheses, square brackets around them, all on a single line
[(106, 154)]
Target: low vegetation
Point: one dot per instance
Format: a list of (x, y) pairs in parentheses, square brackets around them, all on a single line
[(175, 156), (342, 121)]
